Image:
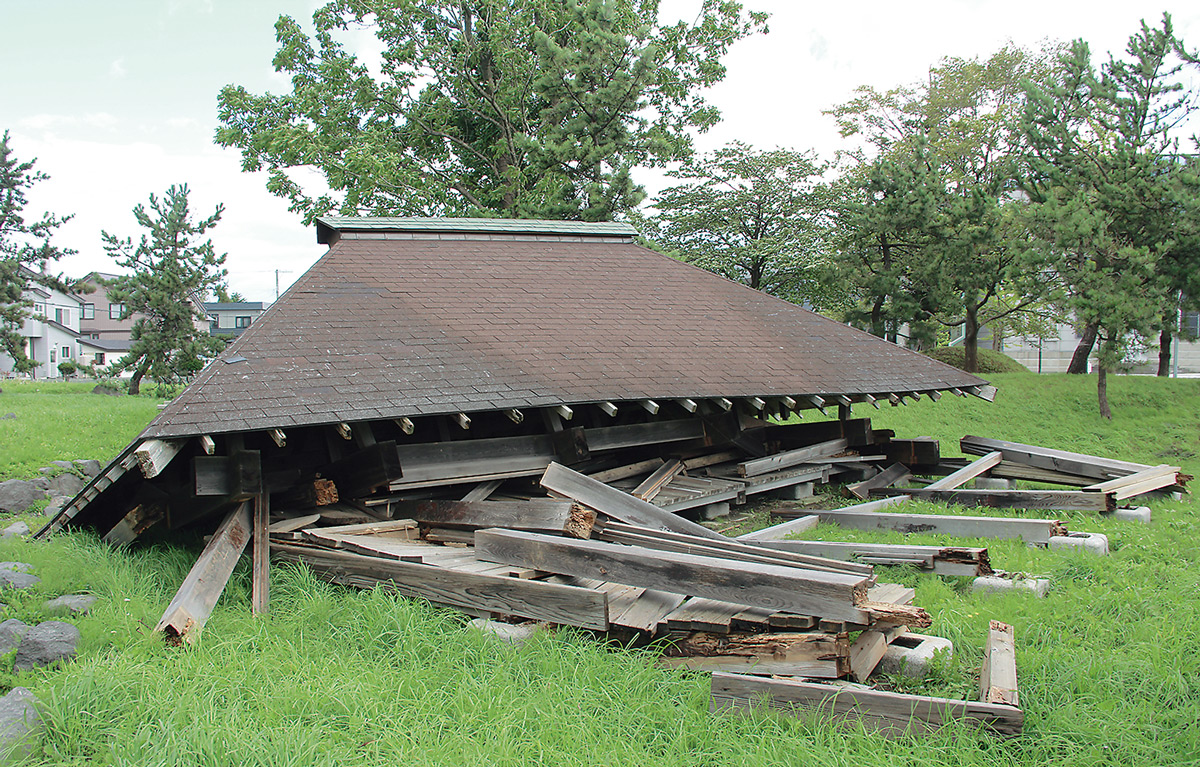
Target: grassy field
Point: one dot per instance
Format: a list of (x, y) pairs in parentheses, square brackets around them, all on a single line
[(1108, 664)]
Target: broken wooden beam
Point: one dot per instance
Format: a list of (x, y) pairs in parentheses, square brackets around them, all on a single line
[(892, 475), (967, 473), (658, 480), (538, 514), (943, 560), (811, 592), (362, 472), (1063, 461), (998, 679), (889, 712), (192, 605), (153, 455), (1029, 530), (819, 655), (1064, 500), (307, 495), (811, 454), (1141, 482)]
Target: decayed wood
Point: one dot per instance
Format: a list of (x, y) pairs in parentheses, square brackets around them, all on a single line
[(813, 592), (1073, 500), (1055, 460), (194, 602), (260, 578), (967, 473), (568, 605), (659, 479), (800, 524), (891, 713), (868, 649), (149, 508), (153, 455), (892, 475), (1028, 530), (813, 655), (998, 680), (779, 461), (540, 514), (307, 495), (944, 560), (618, 504), (360, 473)]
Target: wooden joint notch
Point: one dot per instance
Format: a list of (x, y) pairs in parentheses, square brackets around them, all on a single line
[(462, 419), (344, 431), (278, 437), (408, 427)]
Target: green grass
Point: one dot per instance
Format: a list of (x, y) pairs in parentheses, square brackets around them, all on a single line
[(988, 361), (1108, 665), (64, 421)]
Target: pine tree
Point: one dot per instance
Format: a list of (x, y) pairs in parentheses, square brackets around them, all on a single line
[(171, 272)]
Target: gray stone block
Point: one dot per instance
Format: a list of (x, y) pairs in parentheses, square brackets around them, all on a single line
[(66, 484), (1000, 582), (714, 510), (14, 579), (994, 483), (15, 530), (1095, 543), (19, 494), (63, 464), (56, 505), (71, 604), (19, 720), (18, 567), (517, 634), (795, 492), (1134, 514), (46, 644), (11, 633), (41, 483), (910, 655), (89, 466)]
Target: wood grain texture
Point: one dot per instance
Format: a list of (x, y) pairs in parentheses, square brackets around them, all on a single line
[(825, 656), (1028, 530), (892, 475), (811, 454), (1064, 500), (541, 514), (968, 472), (1081, 464), (998, 679)]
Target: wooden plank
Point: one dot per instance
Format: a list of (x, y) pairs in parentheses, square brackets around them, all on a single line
[(293, 523), (1080, 464), (153, 455), (237, 476), (536, 600), (813, 592), (920, 451), (799, 654), (700, 614), (540, 514), (647, 611), (629, 470), (998, 680), (868, 649), (892, 475), (617, 504), (801, 524), (791, 458), (192, 605), (943, 560), (1068, 500), (1029, 530), (891, 713), (260, 577), (149, 508), (656, 481), (364, 471), (1162, 471), (374, 527), (483, 490), (1010, 470), (968, 472), (1146, 486)]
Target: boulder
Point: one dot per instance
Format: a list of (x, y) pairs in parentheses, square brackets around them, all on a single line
[(18, 719), (13, 579), (19, 495), (63, 464), (89, 466), (56, 505), (19, 567), (8, 417), (16, 529), (46, 644), (11, 633), (107, 390), (41, 483), (66, 484), (71, 604)]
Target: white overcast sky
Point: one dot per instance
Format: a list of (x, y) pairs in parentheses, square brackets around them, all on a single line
[(117, 99)]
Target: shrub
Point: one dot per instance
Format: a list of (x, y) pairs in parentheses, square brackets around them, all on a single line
[(989, 361), (67, 368)]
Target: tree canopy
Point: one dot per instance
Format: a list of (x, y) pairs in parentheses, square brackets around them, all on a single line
[(171, 270), (530, 109)]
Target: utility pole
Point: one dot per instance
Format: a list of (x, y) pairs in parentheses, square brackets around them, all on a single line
[(277, 273)]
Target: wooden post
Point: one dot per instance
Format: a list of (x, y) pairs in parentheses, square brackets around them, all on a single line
[(260, 581)]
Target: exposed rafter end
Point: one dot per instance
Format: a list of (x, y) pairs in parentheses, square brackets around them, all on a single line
[(983, 392), (757, 403), (688, 405), (870, 400), (815, 401), (650, 405), (207, 445), (564, 412), (407, 426), (843, 400), (934, 395), (514, 415), (278, 437), (344, 431), (896, 399), (723, 403), (462, 419), (609, 408), (958, 392)]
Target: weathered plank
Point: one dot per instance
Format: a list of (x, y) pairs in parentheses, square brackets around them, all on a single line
[(1055, 460), (998, 680), (555, 603), (618, 504), (891, 713), (813, 592), (483, 490), (540, 514), (659, 479), (1029, 530), (260, 575), (1143, 481), (1067, 500), (153, 455), (779, 461), (629, 470), (943, 560), (193, 603), (967, 473), (800, 524), (892, 475), (149, 508), (291, 524), (822, 656)]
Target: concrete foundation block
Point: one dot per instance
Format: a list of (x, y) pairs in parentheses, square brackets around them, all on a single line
[(714, 510), (795, 492), (1096, 543), (1000, 582), (1133, 514), (994, 483), (910, 655), (516, 634)]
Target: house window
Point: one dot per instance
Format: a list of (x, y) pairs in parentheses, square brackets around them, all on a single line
[(1191, 324), (40, 311), (115, 311), (66, 355), (53, 359), (99, 358), (62, 316), (89, 312), (241, 322)]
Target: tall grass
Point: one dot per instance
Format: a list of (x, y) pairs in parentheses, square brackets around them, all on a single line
[(1109, 672)]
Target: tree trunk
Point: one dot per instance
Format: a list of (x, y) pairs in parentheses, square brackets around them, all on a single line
[(971, 340), (1079, 359), (135, 382), (1164, 350), (877, 326), (1102, 391)]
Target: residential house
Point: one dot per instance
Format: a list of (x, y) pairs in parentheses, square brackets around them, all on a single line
[(229, 319), (51, 333)]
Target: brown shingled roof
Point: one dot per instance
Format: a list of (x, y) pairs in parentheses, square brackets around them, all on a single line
[(397, 321)]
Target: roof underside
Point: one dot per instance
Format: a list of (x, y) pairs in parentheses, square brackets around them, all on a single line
[(385, 327)]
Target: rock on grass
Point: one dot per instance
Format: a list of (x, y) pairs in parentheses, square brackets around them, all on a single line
[(46, 644)]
